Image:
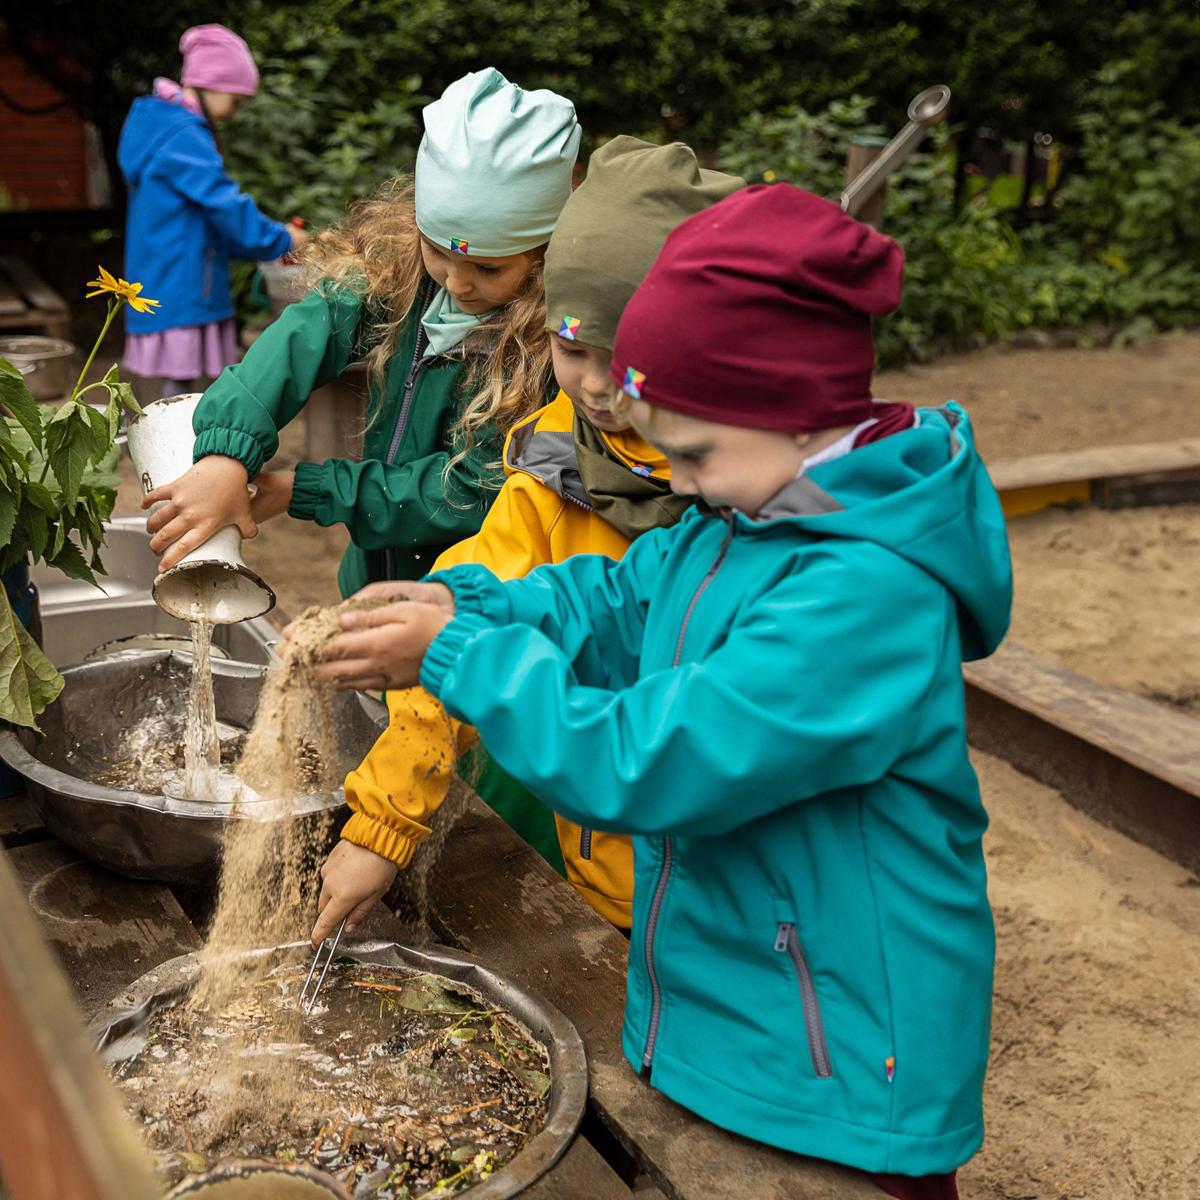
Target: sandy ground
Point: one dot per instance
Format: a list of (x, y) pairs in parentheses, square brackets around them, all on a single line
[(1113, 595), (1035, 401), (1094, 1086)]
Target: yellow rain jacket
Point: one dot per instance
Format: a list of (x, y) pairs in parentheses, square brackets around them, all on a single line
[(542, 515)]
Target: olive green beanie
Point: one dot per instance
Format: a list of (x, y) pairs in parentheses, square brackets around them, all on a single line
[(612, 228)]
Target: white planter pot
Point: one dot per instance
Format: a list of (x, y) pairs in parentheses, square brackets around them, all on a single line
[(214, 576)]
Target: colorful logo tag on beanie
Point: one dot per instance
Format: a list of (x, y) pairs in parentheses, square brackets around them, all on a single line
[(633, 383), (569, 328), (458, 246)]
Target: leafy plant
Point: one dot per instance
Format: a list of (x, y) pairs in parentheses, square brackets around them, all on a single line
[(58, 485)]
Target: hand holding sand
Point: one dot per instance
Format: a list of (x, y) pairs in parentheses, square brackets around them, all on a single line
[(384, 647), (353, 879), (212, 495)]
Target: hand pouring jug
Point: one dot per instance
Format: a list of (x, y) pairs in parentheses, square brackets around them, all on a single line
[(214, 576)]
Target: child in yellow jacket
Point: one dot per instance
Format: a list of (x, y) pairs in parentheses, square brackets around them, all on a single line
[(578, 480)]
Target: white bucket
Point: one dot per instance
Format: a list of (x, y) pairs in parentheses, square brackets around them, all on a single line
[(213, 576)]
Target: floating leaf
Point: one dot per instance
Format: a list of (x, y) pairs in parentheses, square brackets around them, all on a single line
[(423, 994), (28, 680), (462, 1034), (538, 1081), (194, 1162)]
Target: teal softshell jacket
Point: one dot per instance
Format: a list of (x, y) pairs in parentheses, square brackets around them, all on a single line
[(774, 708), (401, 507)]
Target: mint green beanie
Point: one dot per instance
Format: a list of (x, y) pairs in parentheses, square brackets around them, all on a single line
[(494, 167)]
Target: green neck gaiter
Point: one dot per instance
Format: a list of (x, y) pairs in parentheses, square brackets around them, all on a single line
[(631, 503)]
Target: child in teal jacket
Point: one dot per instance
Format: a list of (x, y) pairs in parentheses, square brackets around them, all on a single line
[(769, 697)]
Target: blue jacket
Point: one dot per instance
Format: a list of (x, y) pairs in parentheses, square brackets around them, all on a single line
[(187, 218), (774, 708)]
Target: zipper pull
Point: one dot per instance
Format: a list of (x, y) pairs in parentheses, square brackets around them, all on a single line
[(783, 936), (890, 1067)]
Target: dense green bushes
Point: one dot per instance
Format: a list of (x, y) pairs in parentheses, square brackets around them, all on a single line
[(1117, 247), (773, 85)]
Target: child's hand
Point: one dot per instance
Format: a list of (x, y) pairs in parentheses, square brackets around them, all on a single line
[(271, 494), (353, 878), (210, 496), (385, 647), (398, 589)]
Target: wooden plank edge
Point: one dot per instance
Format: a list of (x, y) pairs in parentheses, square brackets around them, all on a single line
[(1118, 782), (65, 1132)]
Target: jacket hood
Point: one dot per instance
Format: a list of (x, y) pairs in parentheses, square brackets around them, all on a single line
[(150, 123), (925, 495)]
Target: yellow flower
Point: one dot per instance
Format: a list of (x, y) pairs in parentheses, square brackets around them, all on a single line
[(123, 290), (769, 176)]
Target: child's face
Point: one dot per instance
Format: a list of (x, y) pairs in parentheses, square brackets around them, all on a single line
[(222, 106), (729, 465), (582, 372), (478, 284)]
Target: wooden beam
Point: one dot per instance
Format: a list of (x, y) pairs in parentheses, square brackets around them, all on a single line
[(1110, 476), (64, 1132), (35, 289), (1129, 762)]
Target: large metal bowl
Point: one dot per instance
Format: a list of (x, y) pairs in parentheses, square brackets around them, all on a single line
[(568, 1064), (145, 836)]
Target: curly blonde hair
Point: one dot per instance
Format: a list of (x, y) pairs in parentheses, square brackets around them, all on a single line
[(376, 252)]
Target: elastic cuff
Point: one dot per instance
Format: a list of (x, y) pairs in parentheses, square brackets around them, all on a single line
[(476, 591), (445, 650), (232, 443), (389, 841), (307, 491)]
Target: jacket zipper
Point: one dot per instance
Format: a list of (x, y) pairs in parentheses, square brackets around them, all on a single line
[(787, 942), (410, 384), (664, 871), (585, 843)]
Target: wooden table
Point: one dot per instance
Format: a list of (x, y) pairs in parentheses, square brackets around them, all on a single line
[(496, 899)]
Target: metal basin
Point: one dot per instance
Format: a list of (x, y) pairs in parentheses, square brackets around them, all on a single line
[(147, 836), (568, 1064)]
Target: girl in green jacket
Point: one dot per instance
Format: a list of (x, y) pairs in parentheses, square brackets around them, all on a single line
[(439, 287)]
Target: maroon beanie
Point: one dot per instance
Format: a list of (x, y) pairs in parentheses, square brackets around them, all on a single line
[(758, 312)]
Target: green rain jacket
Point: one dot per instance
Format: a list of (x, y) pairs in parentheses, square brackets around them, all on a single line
[(773, 707), (400, 512)]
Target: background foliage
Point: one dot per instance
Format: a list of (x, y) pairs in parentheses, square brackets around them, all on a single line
[(774, 86)]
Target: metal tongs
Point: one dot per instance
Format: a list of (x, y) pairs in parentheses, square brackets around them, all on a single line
[(927, 109), (332, 944)]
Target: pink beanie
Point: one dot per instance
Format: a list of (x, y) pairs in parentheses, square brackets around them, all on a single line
[(216, 59)]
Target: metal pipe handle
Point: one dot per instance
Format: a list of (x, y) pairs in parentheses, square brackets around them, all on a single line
[(926, 110)]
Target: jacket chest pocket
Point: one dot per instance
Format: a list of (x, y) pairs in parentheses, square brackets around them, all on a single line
[(787, 942)]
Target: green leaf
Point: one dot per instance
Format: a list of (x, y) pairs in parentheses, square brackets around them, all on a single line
[(70, 561), (97, 423), (68, 447), (538, 1081), (40, 495), (424, 994), (16, 397), (28, 680), (113, 415), (8, 516), (123, 394), (60, 538), (38, 529)]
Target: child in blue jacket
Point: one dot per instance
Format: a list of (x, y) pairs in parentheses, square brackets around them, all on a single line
[(187, 218), (769, 697)]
